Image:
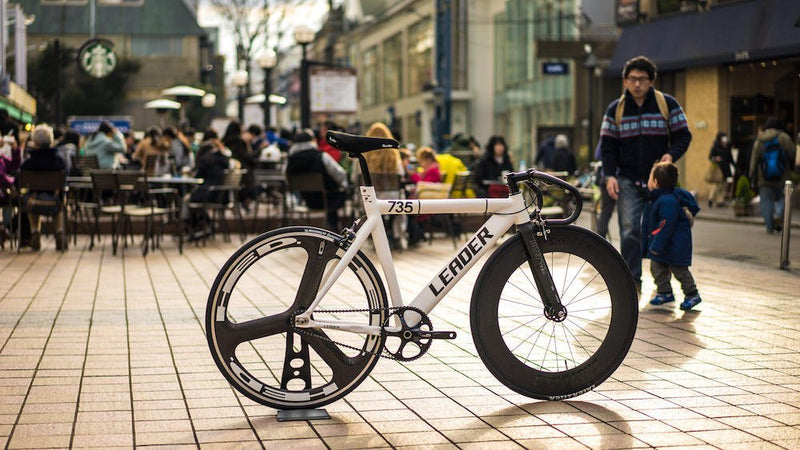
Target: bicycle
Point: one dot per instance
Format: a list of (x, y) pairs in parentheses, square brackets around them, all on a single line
[(298, 316)]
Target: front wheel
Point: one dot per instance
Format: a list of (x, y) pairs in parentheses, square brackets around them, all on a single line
[(250, 314), (554, 358)]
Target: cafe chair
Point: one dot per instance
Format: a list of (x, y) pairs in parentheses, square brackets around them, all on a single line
[(83, 164), (221, 199), (308, 185), (109, 203), (270, 184), (156, 208), (43, 194)]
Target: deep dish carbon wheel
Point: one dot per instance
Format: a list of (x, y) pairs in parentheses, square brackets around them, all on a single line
[(250, 309), (547, 358)]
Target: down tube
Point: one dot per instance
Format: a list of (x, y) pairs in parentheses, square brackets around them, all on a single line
[(455, 269)]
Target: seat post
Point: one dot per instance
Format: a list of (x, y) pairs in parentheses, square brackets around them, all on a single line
[(364, 169)]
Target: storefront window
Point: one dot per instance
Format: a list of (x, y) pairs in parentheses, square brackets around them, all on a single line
[(392, 68), (369, 78), (420, 56)]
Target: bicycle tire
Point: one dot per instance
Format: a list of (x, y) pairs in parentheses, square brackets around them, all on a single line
[(508, 338), (253, 299)]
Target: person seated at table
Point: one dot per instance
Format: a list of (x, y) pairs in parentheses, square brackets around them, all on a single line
[(43, 156), (304, 157), (211, 167), (180, 151), (107, 142), (383, 163), (490, 167), (9, 164), (153, 146), (428, 169)]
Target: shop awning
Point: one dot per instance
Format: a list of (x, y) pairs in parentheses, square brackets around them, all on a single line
[(727, 33)]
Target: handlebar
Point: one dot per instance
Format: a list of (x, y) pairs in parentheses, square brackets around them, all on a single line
[(514, 178)]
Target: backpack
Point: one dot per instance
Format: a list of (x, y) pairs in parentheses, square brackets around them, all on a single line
[(773, 161)]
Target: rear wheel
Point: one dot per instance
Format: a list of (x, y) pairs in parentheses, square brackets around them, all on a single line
[(249, 315), (549, 358)]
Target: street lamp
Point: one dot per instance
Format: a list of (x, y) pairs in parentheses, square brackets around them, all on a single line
[(209, 100), (267, 61), (303, 35), (240, 79)]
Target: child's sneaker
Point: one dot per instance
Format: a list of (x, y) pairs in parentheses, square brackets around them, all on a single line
[(660, 299), (690, 302)]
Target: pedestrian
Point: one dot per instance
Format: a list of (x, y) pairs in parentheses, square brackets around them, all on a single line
[(771, 165), (563, 159), (544, 153), (721, 156), (640, 128), (667, 231)]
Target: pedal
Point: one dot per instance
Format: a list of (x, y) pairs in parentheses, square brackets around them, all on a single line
[(437, 334)]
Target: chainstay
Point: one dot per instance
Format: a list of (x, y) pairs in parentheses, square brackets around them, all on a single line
[(384, 354)]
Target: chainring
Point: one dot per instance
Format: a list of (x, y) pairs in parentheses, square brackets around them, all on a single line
[(418, 335)]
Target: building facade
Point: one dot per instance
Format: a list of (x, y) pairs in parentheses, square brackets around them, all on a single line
[(499, 50), (161, 35)]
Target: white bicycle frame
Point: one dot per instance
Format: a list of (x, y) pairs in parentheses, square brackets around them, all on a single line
[(505, 213)]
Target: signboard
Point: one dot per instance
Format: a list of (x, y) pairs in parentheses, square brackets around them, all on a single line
[(89, 124), (96, 57), (557, 68), (627, 12), (333, 90)]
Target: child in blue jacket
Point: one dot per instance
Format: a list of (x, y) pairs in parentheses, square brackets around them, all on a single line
[(667, 235)]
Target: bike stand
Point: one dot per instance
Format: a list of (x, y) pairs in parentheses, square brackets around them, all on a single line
[(286, 415)]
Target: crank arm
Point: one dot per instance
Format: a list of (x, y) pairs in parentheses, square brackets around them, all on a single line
[(437, 334)]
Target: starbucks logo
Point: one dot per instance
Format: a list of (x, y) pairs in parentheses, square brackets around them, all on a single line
[(96, 57)]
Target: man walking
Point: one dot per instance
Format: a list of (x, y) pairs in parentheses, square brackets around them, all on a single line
[(642, 127)]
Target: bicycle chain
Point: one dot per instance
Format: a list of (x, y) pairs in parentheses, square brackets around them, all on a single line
[(386, 354)]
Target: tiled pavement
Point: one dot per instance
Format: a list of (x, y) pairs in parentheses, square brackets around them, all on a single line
[(105, 351)]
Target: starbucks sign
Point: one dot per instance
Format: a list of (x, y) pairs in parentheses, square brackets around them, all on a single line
[(97, 58)]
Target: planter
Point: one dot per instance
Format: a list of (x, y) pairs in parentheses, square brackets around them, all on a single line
[(741, 209)]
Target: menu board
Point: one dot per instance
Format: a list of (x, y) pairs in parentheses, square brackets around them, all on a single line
[(333, 90)]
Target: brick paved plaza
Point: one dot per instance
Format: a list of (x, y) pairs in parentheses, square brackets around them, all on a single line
[(109, 351)]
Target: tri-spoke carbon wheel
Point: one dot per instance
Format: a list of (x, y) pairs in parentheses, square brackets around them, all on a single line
[(250, 310)]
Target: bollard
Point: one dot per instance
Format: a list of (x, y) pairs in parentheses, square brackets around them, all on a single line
[(787, 224)]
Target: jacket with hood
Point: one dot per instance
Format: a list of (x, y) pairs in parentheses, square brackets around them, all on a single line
[(666, 230), (756, 176), (105, 147)]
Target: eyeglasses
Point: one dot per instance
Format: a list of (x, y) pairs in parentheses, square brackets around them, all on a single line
[(638, 80)]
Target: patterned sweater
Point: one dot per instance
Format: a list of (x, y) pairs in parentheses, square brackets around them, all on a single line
[(630, 148)]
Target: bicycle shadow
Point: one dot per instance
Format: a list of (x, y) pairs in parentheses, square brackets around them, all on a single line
[(563, 415)]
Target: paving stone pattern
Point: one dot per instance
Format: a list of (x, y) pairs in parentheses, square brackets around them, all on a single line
[(109, 351)]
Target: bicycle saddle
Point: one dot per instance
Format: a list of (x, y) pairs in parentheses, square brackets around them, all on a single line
[(354, 144)]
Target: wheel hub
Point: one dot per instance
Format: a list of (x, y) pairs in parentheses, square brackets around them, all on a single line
[(557, 314)]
